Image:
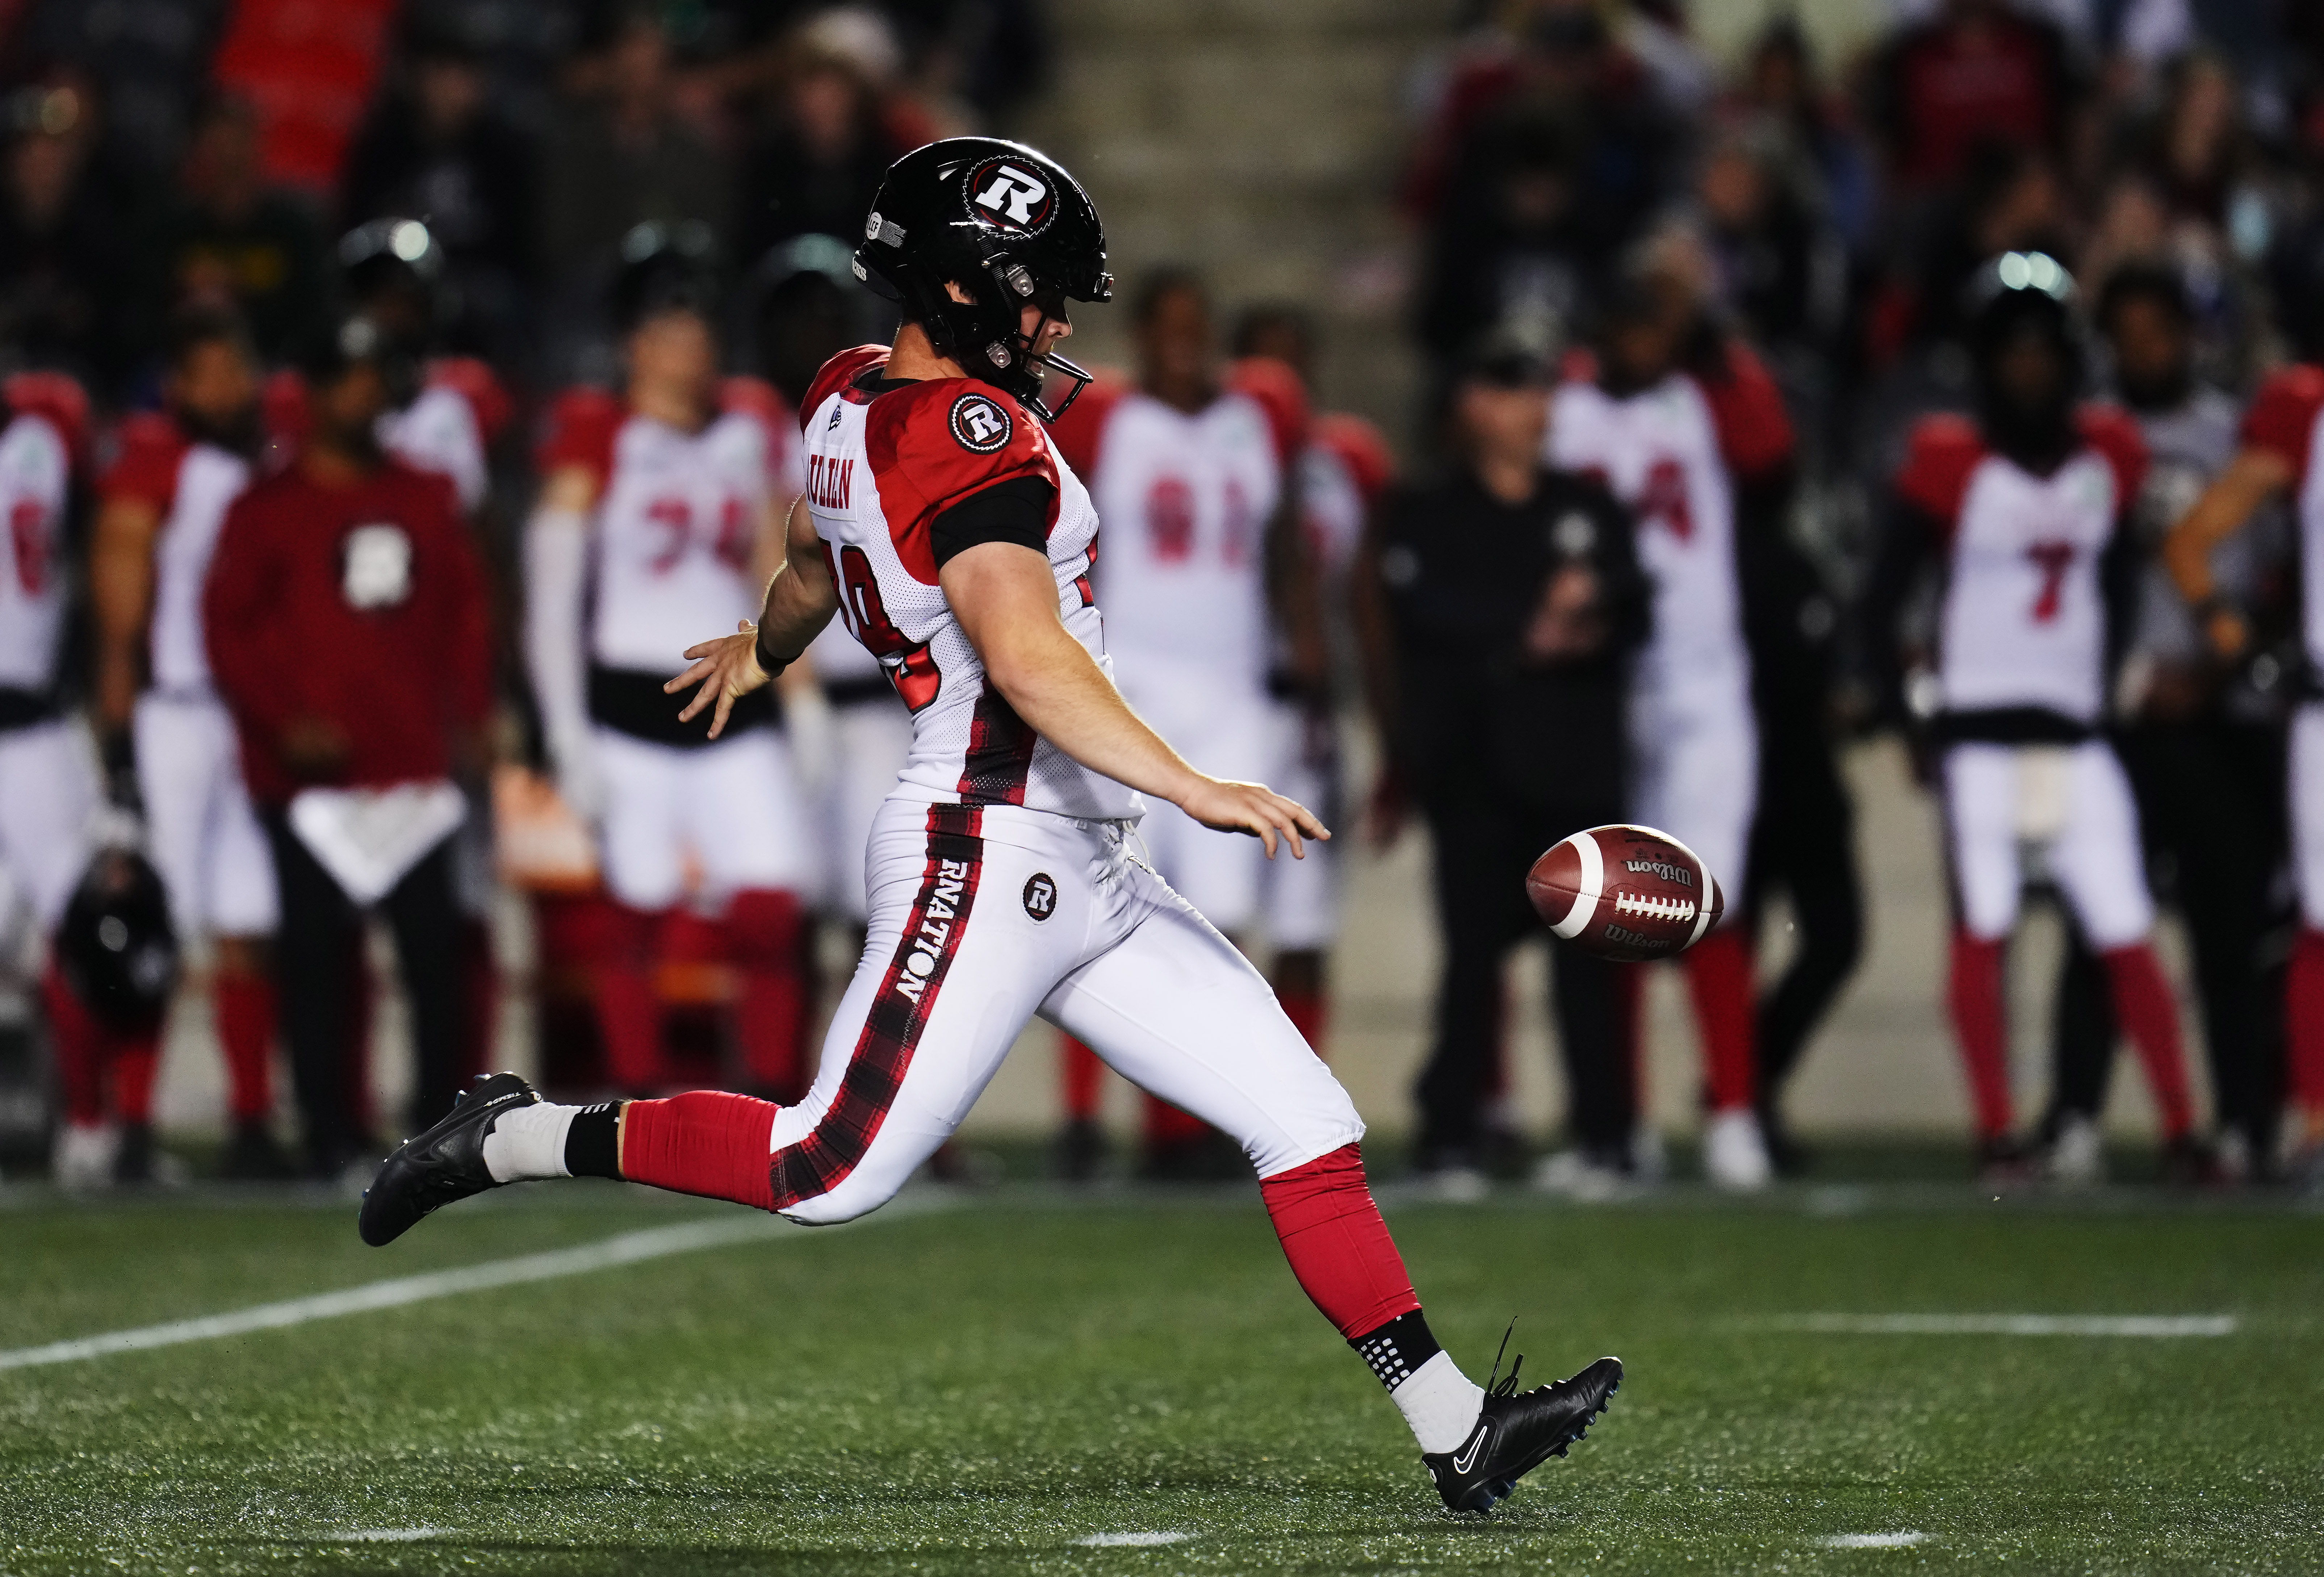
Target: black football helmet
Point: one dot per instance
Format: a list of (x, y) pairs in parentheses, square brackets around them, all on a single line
[(2016, 294), (1010, 226), (115, 945), (665, 268)]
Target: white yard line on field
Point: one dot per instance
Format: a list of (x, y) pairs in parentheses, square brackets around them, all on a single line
[(1130, 1541), (2164, 1326), (623, 1249), (1872, 1541)]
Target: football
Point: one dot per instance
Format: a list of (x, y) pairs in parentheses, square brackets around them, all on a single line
[(1626, 893)]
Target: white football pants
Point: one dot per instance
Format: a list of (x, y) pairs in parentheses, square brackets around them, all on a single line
[(204, 834), (2071, 806)]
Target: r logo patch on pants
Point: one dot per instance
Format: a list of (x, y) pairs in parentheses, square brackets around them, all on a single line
[(1040, 895)]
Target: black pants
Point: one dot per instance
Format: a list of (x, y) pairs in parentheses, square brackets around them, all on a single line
[(2210, 811), (317, 954), (1484, 845), (1803, 842)]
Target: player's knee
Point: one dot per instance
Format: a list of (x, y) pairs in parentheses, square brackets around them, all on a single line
[(847, 1203)]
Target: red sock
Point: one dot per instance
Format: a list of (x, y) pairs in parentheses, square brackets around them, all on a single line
[(2303, 1024), (243, 1007), (763, 930), (2149, 1015), (136, 1058), (480, 998), (1307, 1012), (1981, 1027), (1338, 1246), (1083, 1075), (80, 1050), (1167, 1127), (1719, 979), (628, 1014), (706, 1142)]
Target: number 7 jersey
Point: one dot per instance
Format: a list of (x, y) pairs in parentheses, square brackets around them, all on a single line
[(883, 461)]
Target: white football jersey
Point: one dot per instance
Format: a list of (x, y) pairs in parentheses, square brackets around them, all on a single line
[(1183, 574), (208, 480), (35, 478), (2023, 622), (438, 432), (880, 466), (1658, 451)]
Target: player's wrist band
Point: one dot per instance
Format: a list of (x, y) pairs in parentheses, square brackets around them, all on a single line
[(767, 661)]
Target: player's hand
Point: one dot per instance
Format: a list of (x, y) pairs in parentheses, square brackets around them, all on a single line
[(726, 669), (2228, 634), (311, 747), (1226, 806)]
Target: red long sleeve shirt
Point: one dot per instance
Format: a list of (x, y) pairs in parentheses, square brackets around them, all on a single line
[(362, 605)]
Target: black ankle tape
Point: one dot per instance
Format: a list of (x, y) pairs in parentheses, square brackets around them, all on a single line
[(592, 1144), (1398, 1348)]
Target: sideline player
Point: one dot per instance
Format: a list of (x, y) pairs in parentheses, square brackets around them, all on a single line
[(2024, 504), (1191, 472), (2276, 457), (657, 511), (946, 530), (162, 503), (1677, 425)]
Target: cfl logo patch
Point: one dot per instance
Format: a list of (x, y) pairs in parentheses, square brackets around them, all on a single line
[(980, 425), (1007, 196)]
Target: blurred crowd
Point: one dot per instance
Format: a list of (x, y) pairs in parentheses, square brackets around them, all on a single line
[(395, 390)]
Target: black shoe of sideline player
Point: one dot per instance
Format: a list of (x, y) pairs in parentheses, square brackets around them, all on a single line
[(1517, 1431), (443, 1163)]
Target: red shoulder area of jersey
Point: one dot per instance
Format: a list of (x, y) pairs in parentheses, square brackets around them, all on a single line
[(1939, 457), (1361, 448), (1080, 432), (838, 376), (475, 381), (2110, 430), (1281, 394), (2283, 415), (1748, 411), (54, 397), (144, 470), (932, 444), (1578, 365), (582, 426)]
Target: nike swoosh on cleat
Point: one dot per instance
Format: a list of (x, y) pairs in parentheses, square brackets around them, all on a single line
[(1468, 1459)]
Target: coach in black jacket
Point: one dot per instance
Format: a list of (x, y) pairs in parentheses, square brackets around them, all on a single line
[(1500, 603)]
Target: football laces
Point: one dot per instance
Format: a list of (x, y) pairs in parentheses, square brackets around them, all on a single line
[(1650, 907)]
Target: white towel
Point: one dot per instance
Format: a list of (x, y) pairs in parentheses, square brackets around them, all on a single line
[(368, 838)]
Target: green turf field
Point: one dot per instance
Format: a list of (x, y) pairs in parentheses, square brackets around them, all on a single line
[(976, 1385)]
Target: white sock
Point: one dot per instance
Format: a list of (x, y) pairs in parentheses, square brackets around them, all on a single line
[(527, 1142), (1440, 1403)]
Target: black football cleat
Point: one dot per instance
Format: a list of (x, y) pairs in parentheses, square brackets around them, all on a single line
[(443, 1163), (1517, 1431)]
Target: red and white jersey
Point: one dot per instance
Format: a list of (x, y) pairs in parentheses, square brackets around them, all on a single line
[(189, 485), (2024, 620), (35, 483), (880, 466), (2287, 417), (1344, 469), (1188, 496), (1673, 454), (450, 426), (676, 523)]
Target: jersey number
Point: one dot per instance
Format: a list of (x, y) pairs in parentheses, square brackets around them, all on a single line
[(1663, 498), (909, 666), (27, 534), (2052, 559), (1170, 520), (675, 516)]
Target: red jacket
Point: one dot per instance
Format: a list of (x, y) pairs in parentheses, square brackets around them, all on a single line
[(362, 605)]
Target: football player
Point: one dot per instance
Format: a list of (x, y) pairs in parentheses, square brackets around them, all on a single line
[(942, 525), (2022, 505), (1191, 472), (161, 504), (2275, 458), (657, 510), (1681, 424)]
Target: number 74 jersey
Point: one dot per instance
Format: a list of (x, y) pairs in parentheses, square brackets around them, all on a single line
[(882, 461)]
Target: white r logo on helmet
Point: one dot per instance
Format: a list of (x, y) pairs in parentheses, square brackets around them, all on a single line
[(1009, 196)]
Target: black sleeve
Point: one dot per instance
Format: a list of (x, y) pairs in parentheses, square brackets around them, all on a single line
[(1908, 540), (1016, 511)]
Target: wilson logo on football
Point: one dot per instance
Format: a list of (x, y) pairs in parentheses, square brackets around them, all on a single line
[(1668, 872), (1005, 195), (979, 425)]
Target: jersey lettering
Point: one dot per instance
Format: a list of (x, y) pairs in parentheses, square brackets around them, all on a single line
[(830, 478)]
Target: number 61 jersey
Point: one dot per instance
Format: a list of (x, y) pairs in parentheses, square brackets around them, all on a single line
[(883, 460)]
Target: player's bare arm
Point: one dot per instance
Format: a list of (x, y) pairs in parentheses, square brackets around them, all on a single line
[(121, 593), (800, 601), (1005, 597), (2253, 477)]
